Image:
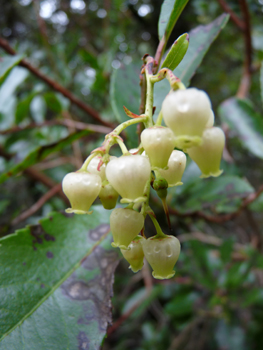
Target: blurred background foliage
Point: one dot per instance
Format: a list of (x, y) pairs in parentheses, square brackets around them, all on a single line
[(216, 299)]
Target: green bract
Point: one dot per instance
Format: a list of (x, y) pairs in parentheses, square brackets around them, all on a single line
[(208, 155), (187, 112), (134, 254), (125, 225), (162, 253), (81, 189), (158, 143)]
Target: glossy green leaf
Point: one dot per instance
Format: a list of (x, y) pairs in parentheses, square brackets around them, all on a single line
[(56, 283), (170, 12), (214, 195), (245, 124), (200, 39), (125, 91), (7, 63), (53, 102), (41, 153), (261, 81), (177, 52), (182, 305), (23, 107)]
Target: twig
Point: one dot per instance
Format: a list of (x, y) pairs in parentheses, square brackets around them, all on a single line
[(66, 122), (55, 86), (127, 314), (233, 16), (35, 207), (36, 175)]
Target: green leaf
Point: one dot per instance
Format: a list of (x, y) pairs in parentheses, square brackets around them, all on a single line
[(125, 91), (182, 305), (177, 52), (214, 195), (170, 12), (7, 63), (261, 81), (53, 102), (242, 119), (200, 39), (41, 153), (56, 283), (22, 109)]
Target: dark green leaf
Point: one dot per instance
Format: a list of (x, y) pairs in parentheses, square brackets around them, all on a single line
[(177, 52), (22, 109), (170, 12), (125, 91), (252, 297), (226, 250), (52, 102), (213, 195), (242, 119), (261, 81), (200, 40), (6, 65), (41, 153), (56, 283), (182, 304)]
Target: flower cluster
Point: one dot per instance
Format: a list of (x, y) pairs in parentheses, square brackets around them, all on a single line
[(158, 162)]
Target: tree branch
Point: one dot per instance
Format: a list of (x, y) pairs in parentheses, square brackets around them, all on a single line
[(35, 207), (66, 122), (55, 86), (233, 16)]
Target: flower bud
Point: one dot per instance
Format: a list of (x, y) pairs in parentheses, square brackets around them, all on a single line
[(158, 143), (108, 196), (125, 225), (128, 175), (162, 253), (81, 189), (208, 155), (176, 167), (134, 254), (187, 112)]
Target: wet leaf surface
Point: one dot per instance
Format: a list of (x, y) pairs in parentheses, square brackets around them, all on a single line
[(56, 283)]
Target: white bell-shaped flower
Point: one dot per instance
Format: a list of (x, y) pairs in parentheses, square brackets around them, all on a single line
[(128, 176), (134, 254), (187, 112), (208, 155), (211, 120), (158, 143), (125, 225), (162, 254), (176, 167), (93, 167), (81, 188)]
